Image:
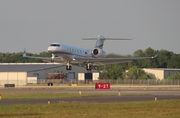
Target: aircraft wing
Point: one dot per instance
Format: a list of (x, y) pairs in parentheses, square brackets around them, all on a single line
[(102, 61), (45, 59)]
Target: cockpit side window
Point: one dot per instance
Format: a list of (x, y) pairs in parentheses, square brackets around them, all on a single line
[(55, 45)]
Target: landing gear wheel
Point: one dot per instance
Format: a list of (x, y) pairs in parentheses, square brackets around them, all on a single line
[(88, 67), (68, 67), (52, 60)]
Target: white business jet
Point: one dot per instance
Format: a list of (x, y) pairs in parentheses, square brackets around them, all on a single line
[(66, 54)]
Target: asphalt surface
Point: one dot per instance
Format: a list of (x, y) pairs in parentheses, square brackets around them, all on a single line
[(89, 99), (44, 90), (161, 95)]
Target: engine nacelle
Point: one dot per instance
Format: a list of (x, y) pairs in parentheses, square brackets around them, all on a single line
[(96, 52)]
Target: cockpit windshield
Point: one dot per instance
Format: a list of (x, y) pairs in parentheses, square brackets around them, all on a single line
[(55, 45)]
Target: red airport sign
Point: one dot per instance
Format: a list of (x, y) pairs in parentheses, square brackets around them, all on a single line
[(102, 86)]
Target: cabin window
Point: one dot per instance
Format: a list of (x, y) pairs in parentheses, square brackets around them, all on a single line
[(55, 45)]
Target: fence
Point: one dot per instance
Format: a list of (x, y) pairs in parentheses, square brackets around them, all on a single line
[(91, 82), (133, 82), (112, 82)]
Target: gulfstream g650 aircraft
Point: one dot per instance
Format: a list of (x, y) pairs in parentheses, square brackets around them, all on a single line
[(66, 54)]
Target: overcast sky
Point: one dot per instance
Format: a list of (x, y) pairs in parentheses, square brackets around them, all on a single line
[(35, 24)]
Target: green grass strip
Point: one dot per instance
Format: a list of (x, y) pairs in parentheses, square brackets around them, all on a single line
[(149, 109), (57, 95)]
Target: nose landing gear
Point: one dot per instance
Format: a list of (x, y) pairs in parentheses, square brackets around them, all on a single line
[(52, 58)]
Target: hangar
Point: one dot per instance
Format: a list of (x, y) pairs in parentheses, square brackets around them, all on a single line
[(161, 73), (21, 73)]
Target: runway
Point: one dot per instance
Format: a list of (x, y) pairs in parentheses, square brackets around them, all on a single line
[(89, 99), (43, 90), (161, 95)]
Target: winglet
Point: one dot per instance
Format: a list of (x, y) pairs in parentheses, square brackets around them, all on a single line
[(155, 56), (24, 53)]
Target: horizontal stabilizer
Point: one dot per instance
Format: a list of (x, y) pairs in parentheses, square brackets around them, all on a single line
[(104, 38), (107, 39), (100, 40)]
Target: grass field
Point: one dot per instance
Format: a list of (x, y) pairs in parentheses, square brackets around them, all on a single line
[(150, 109), (47, 95), (57, 95)]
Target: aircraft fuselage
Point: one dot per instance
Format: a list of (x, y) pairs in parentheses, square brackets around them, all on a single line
[(64, 50)]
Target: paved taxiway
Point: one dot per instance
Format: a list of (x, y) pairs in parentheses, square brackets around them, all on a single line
[(43, 90), (89, 99), (161, 95)]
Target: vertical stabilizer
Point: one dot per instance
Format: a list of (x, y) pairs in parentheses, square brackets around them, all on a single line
[(100, 42)]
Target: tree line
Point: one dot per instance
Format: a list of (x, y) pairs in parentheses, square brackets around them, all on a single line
[(18, 57), (165, 59)]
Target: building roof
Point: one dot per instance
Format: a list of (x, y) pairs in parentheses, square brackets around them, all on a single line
[(163, 68)]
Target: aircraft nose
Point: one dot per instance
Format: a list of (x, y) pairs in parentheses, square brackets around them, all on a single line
[(51, 49)]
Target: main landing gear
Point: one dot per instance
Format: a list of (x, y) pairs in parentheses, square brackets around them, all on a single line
[(89, 67), (68, 66)]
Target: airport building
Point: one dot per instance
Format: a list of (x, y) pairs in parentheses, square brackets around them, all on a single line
[(24, 73), (161, 73)]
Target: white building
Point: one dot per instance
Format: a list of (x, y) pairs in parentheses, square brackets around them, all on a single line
[(161, 73), (21, 73)]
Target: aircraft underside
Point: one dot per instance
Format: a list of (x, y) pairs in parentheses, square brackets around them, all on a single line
[(89, 66)]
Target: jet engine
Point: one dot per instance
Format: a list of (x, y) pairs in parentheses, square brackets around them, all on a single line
[(96, 52)]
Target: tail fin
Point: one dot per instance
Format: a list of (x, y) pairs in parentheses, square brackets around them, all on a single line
[(100, 40)]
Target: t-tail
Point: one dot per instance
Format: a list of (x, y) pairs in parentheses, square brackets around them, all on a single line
[(100, 40)]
